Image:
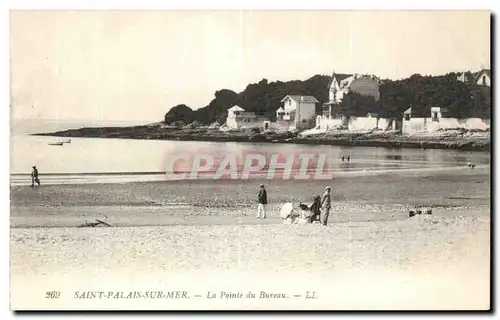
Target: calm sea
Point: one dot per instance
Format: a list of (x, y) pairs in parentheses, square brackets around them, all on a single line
[(90, 160)]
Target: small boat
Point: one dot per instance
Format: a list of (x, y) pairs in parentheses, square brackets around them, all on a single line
[(67, 141), (56, 144)]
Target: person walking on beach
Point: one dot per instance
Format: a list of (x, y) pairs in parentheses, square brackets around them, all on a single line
[(325, 205), (262, 202), (348, 158), (34, 177)]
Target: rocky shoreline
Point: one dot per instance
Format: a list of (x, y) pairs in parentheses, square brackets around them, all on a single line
[(448, 139)]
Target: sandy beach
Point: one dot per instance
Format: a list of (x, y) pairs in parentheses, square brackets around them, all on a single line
[(139, 141), (203, 238)]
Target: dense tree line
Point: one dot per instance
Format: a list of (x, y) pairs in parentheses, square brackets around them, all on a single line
[(423, 92), (419, 92)]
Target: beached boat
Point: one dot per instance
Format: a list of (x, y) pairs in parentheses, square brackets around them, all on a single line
[(67, 141), (56, 144)]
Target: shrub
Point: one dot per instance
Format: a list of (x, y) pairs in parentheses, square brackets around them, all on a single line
[(193, 125), (255, 130), (178, 124)]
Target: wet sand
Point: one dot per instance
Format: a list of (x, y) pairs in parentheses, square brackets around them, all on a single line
[(376, 197), (203, 237)]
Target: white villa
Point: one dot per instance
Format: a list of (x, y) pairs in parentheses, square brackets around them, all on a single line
[(297, 113), (339, 86), (238, 118)]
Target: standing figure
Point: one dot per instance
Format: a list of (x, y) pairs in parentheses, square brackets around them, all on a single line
[(262, 202), (316, 209), (325, 206), (34, 177), (342, 158), (349, 157)]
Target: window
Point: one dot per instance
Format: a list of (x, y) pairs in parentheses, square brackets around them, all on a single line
[(407, 117), (484, 80)]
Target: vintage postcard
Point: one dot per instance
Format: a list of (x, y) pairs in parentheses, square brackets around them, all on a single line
[(250, 160)]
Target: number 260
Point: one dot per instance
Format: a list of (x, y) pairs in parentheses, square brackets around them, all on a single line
[(52, 294)]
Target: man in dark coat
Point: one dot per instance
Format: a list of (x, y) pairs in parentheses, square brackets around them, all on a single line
[(262, 202), (316, 209), (34, 177)]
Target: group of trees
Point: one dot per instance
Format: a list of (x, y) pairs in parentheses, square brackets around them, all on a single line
[(419, 92)]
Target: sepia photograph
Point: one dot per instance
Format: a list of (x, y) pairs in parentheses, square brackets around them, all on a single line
[(251, 160)]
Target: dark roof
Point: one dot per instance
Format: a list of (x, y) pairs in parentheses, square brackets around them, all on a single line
[(487, 71), (307, 99), (473, 77), (339, 77), (342, 76), (469, 76)]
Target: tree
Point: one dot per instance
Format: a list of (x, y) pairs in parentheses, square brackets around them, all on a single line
[(178, 124), (356, 105), (179, 112)]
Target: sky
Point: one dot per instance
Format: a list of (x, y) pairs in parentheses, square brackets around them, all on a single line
[(136, 65)]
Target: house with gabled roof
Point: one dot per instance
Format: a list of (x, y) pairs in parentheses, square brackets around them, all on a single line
[(482, 77), (298, 112), (340, 85), (238, 118)]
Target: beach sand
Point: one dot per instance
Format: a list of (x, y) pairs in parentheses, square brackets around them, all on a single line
[(203, 238)]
